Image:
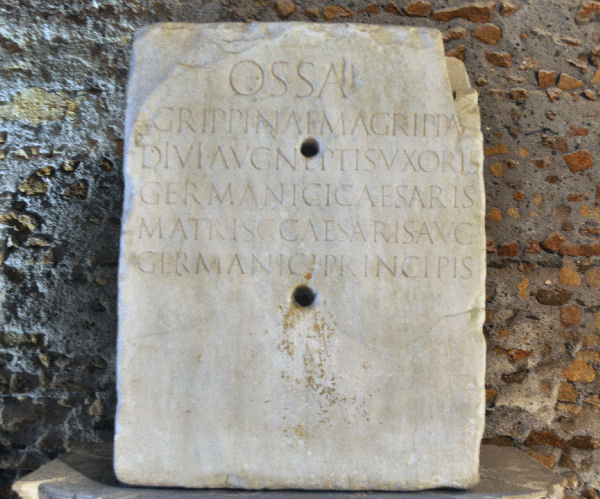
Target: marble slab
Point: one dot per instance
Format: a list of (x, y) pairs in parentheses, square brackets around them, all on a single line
[(86, 471), (301, 282)]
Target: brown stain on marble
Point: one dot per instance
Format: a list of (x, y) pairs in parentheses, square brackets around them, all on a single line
[(307, 334)]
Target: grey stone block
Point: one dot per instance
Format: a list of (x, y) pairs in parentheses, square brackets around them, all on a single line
[(88, 473)]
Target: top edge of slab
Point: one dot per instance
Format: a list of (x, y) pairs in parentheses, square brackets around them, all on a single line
[(341, 29)]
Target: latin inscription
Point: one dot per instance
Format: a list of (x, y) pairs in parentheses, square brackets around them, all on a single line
[(226, 157), (294, 230), (300, 79), (403, 266), (252, 121), (265, 195), (239, 176)]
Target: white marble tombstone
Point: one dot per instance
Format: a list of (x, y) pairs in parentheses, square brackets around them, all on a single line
[(302, 260)]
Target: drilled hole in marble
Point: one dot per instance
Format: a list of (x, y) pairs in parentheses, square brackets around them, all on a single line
[(309, 147), (304, 296)]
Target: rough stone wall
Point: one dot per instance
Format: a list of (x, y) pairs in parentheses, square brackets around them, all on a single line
[(63, 70)]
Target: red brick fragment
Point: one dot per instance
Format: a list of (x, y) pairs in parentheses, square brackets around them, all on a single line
[(372, 8), (391, 8), (578, 131), (494, 215), (569, 249), (490, 395), (519, 94), (566, 82), (533, 248), (570, 315), (569, 276), (560, 145), (474, 12), (555, 296), (547, 460), (554, 241), (331, 12), (509, 249), (501, 59), (495, 149), (579, 160), (455, 33), (418, 8), (566, 462), (522, 288), (567, 393), (588, 493), (507, 8), (500, 441), (590, 231), (584, 442), (488, 33), (588, 11), (579, 371), (542, 162), (518, 354), (557, 243), (457, 52), (544, 437), (285, 8)]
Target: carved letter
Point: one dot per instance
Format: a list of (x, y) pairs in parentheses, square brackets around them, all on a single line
[(166, 127), (246, 78), (156, 153), (335, 80), (304, 78), (278, 77), (154, 194), (151, 267)]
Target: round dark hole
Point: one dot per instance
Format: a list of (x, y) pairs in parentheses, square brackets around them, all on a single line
[(304, 296), (310, 147)]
